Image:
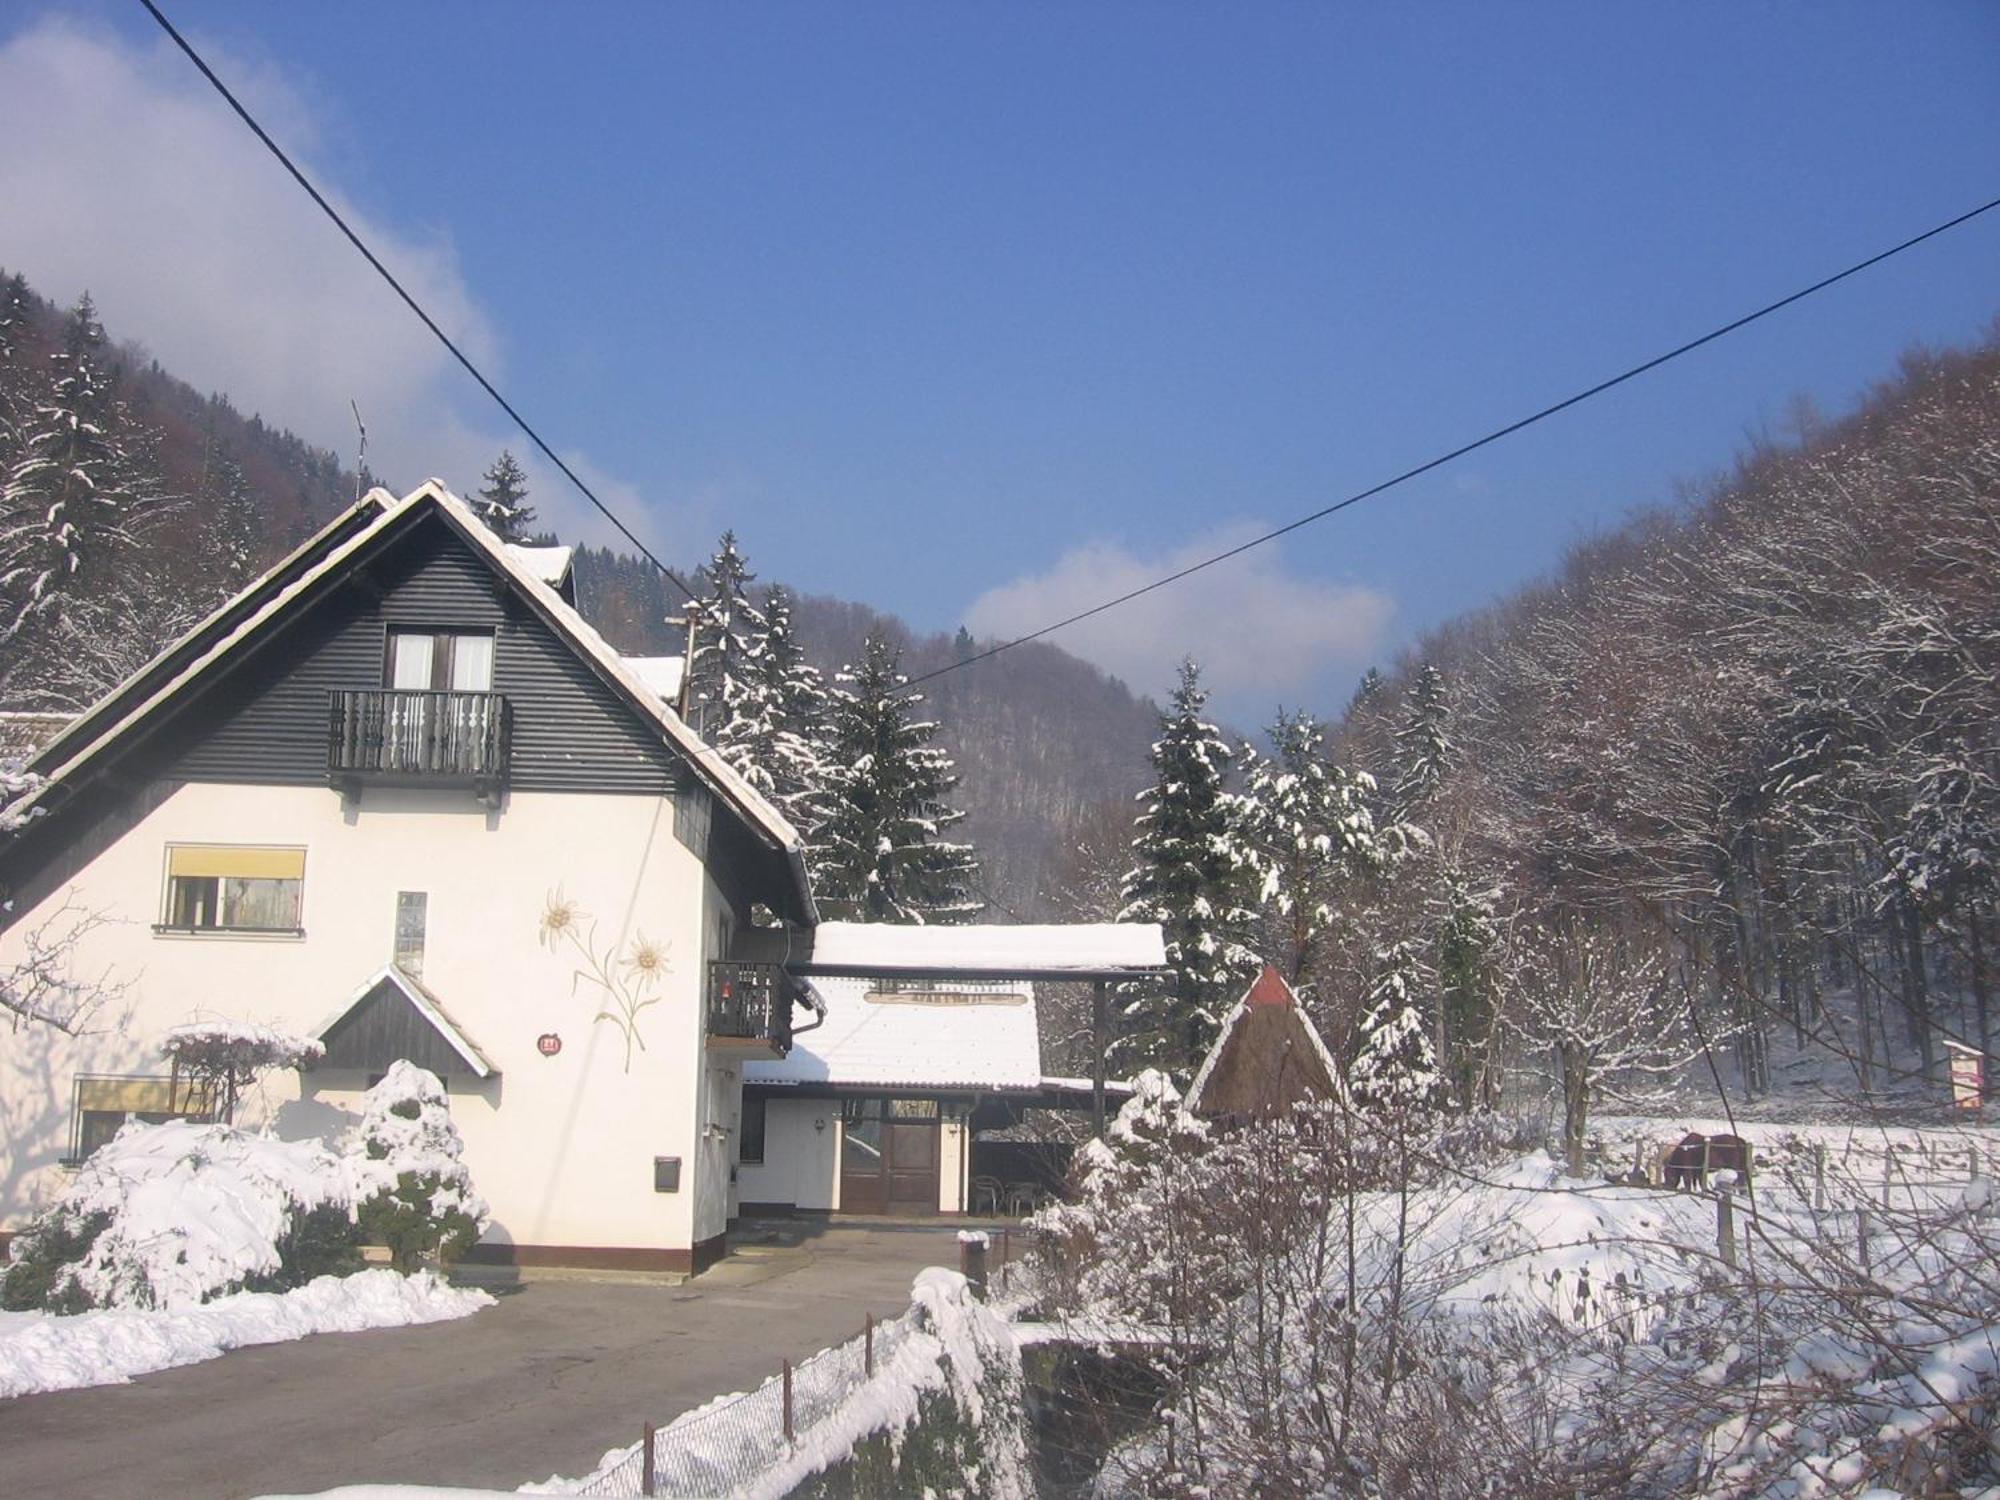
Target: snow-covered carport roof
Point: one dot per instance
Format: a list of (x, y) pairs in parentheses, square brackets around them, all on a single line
[(1068, 951)]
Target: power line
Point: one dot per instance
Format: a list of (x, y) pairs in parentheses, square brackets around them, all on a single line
[(409, 301), (1464, 448)]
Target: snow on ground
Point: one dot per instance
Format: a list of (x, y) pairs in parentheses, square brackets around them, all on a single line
[(42, 1352)]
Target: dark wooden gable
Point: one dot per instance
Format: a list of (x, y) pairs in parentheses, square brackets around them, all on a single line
[(266, 721), (384, 1025)]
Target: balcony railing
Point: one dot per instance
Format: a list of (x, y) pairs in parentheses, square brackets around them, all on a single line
[(750, 1004), (417, 738)]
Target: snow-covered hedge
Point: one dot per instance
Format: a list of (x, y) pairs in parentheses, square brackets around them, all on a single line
[(172, 1215)]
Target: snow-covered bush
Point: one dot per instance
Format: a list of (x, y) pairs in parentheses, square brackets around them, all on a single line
[(172, 1215), (413, 1192)]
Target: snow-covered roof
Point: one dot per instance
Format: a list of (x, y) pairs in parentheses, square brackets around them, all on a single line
[(660, 673), (966, 1037), (427, 1006), (550, 564), (1042, 949)]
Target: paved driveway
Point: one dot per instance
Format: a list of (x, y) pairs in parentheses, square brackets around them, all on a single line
[(540, 1384)]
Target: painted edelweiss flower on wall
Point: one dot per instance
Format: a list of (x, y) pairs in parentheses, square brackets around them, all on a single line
[(626, 983)]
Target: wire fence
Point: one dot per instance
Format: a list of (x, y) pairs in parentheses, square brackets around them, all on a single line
[(720, 1448)]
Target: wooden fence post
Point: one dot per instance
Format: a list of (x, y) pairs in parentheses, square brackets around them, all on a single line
[(868, 1346), (1725, 1227), (649, 1479), (972, 1260), (1861, 1233), (791, 1435), (1819, 1175)]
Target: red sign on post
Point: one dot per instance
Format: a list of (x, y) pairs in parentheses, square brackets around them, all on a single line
[(548, 1044), (1968, 1076)]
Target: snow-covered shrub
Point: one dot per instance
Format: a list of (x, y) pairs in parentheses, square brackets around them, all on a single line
[(223, 1058), (172, 1215), (413, 1192)]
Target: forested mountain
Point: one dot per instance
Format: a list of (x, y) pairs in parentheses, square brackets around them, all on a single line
[(1754, 740), (215, 496)]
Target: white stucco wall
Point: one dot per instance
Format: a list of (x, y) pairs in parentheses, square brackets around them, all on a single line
[(562, 1147), (801, 1163), (951, 1167)]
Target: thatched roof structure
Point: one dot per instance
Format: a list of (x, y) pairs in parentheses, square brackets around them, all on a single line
[(1268, 1058)]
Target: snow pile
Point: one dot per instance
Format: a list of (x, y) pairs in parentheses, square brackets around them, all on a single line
[(40, 1352), (193, 1210), (1524, 1238)]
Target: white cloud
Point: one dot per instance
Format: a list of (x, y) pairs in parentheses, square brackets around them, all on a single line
[(1262, 634), (126, 175)]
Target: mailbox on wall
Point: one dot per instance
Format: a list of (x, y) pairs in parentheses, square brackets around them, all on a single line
[(666, 1174)]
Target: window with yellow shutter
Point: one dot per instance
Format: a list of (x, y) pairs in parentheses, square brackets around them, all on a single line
[(233, 888), (105, 1105)]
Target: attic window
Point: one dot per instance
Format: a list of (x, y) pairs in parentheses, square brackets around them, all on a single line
[(439, 661)]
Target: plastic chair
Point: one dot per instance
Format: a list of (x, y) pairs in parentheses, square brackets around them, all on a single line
[(986, 1195)]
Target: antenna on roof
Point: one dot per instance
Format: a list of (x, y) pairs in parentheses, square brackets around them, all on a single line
[(360, 453)]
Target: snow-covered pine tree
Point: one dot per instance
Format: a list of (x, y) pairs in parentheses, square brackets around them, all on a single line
[(782, 749), (1309, 824), (1423, 748), (15, 309), (1396, 1069), (234, 531), (1195, 873), (878, 855), (78, 492), (503, 504), (1468, 934), (728, 629)]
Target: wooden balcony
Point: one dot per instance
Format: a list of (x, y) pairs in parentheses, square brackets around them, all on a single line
[(750, 1007), (382, 737)]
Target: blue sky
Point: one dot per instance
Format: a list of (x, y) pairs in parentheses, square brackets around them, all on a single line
[(977, 313)]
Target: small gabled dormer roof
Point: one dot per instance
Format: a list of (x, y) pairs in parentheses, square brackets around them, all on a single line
[(393, 1016)]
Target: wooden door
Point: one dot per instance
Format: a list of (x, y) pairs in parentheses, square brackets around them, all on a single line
[(912, 1160), (864, 1174)]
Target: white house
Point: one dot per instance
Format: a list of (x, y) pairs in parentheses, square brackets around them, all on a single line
[(400, 796)]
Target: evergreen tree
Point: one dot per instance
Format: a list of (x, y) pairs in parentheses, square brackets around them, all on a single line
[(722, 677), (782, 749), (77, 494), (877, 855), (1309, 824), (1423, 749), (15, 383), (1195, 874), (1467, 938), (1396, 1068), (963, 646), (503, 504)]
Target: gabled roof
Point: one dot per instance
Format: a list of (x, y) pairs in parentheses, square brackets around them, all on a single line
[(1267, 1057), (390, 985), (966, 1038), (315, 567)]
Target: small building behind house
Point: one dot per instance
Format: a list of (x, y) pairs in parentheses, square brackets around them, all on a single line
[(1267, 1058), (929, 1039)]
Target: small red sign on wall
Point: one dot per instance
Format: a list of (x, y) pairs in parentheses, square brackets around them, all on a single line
[(548, 1044)]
